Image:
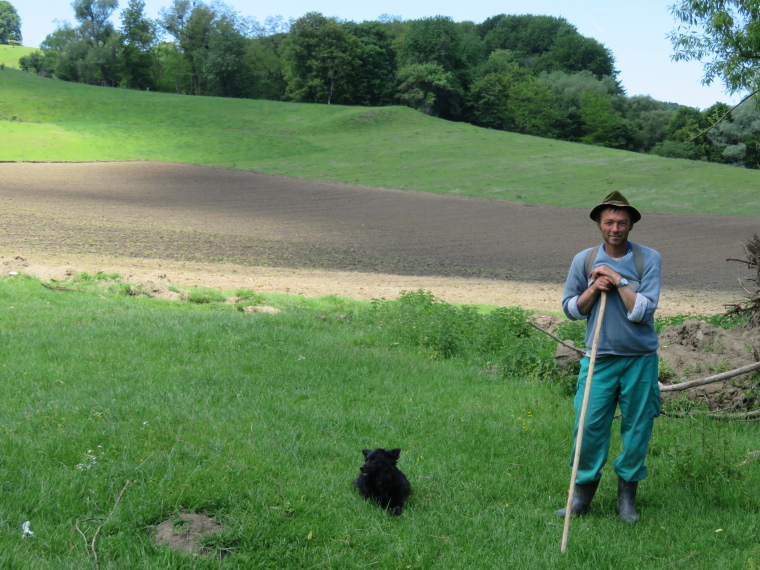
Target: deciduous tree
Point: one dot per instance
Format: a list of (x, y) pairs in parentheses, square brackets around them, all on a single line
[(374, 80), (189, 22), (603, 125), (725, 36), (138, 35), (10, 23), (319, 55), (423, 85), (95, 53)]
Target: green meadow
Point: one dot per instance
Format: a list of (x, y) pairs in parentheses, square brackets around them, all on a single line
[(120, 411), (9, 55), (396, 147)]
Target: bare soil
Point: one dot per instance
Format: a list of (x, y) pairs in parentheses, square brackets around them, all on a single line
[(200, 226), (696, 349), (187, 532)]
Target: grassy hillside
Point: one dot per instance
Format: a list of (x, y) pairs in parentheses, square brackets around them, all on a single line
[(9, 55), (396, 147)]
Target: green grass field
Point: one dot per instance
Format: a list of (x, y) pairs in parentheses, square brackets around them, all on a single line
[(9, 55), (43, 119), (259, 421)]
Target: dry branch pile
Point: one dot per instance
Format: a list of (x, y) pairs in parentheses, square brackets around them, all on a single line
[(752, 251)]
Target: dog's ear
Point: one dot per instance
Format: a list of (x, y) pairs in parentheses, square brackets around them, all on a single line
[(366, 452), (394, 454)]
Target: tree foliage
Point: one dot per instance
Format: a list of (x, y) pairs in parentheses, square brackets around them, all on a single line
[(10, 23), (423, 85), (725, 36), (190, 22), (547, 43), (436, 40), (509, 97), (373, 81), (138, 37), (319, 54)]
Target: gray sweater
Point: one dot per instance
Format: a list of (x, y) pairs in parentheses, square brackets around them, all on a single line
[(623, 333)]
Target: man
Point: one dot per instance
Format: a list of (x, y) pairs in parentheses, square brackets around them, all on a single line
[(625, 370)]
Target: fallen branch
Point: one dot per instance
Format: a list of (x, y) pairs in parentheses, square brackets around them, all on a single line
[(710, 379), (57, 287), (678, 561), (741, 416), (719, 415), (562, 342)]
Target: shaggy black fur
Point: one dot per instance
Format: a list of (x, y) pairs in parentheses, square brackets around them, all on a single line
[(382, 481)]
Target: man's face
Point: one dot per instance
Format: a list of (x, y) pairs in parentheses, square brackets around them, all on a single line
[(615, 226)]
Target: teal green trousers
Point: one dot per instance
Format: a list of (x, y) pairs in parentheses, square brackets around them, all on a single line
[(631, 383)]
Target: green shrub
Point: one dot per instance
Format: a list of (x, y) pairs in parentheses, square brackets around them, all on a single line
[(502, 340), (573, 330), (419, 319), (202, 296)]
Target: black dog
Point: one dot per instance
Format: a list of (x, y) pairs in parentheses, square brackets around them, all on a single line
[(382, 481)]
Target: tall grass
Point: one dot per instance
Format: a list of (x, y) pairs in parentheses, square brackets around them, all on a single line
[(259, 421), (397, 147)]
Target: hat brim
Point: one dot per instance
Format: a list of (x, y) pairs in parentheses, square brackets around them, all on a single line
[(635, 215)]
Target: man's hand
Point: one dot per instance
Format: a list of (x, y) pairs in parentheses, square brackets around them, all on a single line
[(611, 277), (605, 279)]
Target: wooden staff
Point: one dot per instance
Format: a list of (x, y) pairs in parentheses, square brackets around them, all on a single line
[(582, 421)]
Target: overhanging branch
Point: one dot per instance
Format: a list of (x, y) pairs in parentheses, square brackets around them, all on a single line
[(716, 123)]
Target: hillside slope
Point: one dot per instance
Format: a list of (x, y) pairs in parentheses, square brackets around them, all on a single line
[(396, 147)]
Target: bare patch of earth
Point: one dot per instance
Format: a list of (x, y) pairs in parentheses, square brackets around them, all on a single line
[(695, 349), (319, 283), (187, 533), (229, 229)]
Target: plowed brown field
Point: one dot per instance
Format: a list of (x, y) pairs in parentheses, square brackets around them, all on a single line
[(223, 228)]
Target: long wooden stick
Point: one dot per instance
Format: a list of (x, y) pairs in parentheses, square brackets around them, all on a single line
[(559, 340), (710, 379), (582, 421)]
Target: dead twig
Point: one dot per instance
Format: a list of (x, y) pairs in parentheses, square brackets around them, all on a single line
[(720, 120), (90, 548), (675, 419), (678, 561), (750, 457), (720, 415), (562, 342), (57, 287)]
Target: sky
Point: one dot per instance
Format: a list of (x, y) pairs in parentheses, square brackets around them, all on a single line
[(635, 32)]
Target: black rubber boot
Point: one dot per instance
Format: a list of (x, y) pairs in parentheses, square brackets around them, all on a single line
[(582, 497), (626, 500)]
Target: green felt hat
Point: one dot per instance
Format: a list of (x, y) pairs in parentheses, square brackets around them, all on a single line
[(616, 200)]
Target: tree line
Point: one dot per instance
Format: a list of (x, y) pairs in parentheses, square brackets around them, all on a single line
[(534, 75)]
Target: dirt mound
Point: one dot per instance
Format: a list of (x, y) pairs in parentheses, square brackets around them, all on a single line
[(696, 349), (187, 533)]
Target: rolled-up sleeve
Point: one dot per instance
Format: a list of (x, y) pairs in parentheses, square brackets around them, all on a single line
[(639, 309)]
